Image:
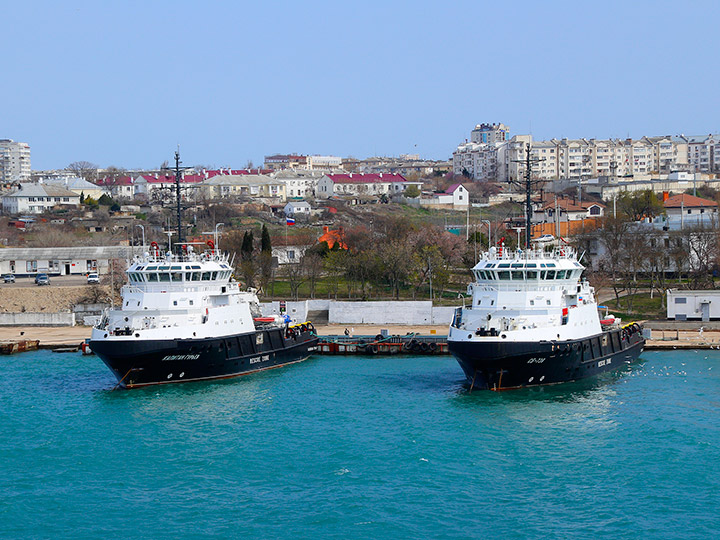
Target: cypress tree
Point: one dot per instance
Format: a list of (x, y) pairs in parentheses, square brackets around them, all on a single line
[(265, 244), (247, 246)]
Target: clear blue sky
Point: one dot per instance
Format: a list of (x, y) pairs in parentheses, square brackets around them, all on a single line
[(124, 83)]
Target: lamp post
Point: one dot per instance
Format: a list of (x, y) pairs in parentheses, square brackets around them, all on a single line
[(217, 243), (489, 233), (143, 234)]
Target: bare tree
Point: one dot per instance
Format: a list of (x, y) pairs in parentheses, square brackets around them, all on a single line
[(84, 169), (295, 274)]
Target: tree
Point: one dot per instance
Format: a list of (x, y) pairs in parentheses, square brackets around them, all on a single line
[(394, 262), (247, 262), (613, 235), (112, 179), (105, 200), (265, 243), (412, 192), (313, 263), (84, 169), (639, 204), (295, 275), (246, 251)]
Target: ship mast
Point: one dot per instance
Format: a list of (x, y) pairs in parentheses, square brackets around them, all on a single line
[(177, 194), (178, 176), (529, 184)]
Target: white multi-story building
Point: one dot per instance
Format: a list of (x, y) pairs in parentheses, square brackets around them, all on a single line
[(14, 161), (323, 162), (492, 155), (298, 182), (478, 158), (703, 152)]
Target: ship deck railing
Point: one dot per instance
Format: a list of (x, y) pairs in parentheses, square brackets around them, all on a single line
[(160, 257), (181, 286), (562, 252)]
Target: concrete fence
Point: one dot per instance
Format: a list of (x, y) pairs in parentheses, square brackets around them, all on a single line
[(383, 312), (334, 311), (37, 319)]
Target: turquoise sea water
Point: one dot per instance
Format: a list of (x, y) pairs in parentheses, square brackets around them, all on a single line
[(359, 447)]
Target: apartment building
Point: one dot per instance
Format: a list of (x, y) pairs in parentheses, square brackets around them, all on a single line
[(504, 158), (703, 152), (14, 161)]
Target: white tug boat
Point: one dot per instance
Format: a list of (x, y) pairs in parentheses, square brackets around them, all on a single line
[(184, 318), (533, 320)]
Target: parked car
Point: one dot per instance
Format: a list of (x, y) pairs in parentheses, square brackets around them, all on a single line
[(93, 277), (544, 238), (42, 279), (9, 278)]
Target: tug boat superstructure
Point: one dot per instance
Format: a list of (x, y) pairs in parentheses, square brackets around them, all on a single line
[(184, 318), (533, 320)]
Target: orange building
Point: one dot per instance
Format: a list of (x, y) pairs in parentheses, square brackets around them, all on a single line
[(334, 237)]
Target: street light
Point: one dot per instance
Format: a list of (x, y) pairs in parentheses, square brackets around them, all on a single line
[(143, 233), (217, 243), (489, 232)]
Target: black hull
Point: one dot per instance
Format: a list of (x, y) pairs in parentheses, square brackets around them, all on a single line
[(138, 363), (498, 365)]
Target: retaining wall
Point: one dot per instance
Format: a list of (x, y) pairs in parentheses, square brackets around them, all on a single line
[(37, 319), (384, 312)]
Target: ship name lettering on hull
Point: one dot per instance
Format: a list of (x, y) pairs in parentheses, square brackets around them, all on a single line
[(181, 357), (259, 359), (536, 361)]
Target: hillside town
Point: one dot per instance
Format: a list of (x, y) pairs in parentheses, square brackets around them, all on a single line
[(593, 194)]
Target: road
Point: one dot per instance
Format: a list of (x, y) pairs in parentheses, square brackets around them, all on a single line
[(57, 281)]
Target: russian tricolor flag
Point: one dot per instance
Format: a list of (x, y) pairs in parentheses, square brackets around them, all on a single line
[(290, 220)]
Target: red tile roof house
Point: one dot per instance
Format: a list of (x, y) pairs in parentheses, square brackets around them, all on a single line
[(689, 205), (568, 208), (369, 185), (118, 187), (147, 185)]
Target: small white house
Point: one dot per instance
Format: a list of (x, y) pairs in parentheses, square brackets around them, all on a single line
[(62, 261), (297, 208), (699, 305), (456, 197), (288, 254)]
